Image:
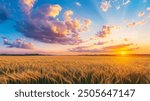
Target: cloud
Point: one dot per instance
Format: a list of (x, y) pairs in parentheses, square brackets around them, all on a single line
[(50, 10), (113, 48), (148, 8), (26, 5), (133, 24), (18, 43), (125, 39), (78, 4), (83, 49), (87, 22), (67, 15), (144, 1), (43, 25), (118, 7), (119, 4), (105, 5), (121, 47), (75, 25), (100, 43), (106, 30), (140, 14), (148, 15), (3, 14), (126, 2), (134, 48), (118, 47)]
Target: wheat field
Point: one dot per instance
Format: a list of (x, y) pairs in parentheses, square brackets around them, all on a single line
[(74, 70)]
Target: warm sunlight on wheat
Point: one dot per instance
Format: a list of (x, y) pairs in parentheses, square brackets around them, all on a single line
[(74, 69)]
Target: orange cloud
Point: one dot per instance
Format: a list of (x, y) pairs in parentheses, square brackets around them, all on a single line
[(26, 5), (29, 3), (140, 14), (113, 48), (67, 15), (125, 39), (118, 47), (136, 23), (87, 22), (50, 10), (54, 10)]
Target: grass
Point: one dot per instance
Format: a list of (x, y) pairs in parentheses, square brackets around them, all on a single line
[(74, 70)]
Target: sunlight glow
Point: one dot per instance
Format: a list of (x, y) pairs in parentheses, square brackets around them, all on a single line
[(123, 53)]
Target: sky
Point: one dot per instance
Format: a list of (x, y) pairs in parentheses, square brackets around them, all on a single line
[(68, 27)]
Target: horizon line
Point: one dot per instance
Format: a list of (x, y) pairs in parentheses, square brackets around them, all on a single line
[(36, 54)]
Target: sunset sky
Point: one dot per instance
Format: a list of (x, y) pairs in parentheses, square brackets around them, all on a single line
[(75, 26)]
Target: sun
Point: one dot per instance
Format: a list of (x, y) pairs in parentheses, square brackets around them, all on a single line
[(123, 53)]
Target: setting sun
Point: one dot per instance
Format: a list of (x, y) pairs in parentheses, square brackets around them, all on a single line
[(123, 52)]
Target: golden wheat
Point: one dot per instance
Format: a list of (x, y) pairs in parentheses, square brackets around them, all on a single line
[(74, 70)]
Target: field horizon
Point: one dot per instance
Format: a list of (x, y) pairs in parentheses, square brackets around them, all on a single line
[(36, 54)]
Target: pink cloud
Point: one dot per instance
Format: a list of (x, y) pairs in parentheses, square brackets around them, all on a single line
[(43, 25), (100, 43), (18, 43), (106, 30)]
